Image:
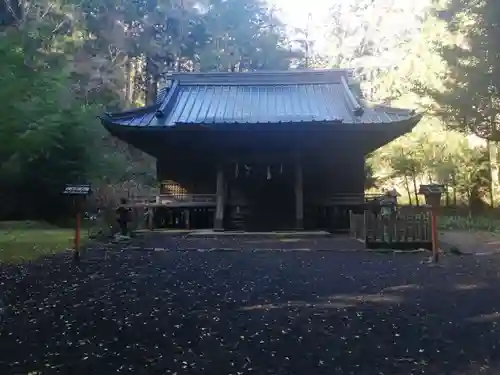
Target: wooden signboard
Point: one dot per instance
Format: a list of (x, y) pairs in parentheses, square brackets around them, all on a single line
[(79, 193)]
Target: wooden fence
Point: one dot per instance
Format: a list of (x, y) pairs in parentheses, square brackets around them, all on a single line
[(170, 200), (408, 228)]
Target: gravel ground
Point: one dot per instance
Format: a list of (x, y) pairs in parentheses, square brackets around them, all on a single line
[(243, 312), (477, 242)]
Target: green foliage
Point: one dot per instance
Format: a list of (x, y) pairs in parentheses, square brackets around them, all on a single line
[(444, 60), (471, 171), (43, 130), (243, 35), (64, 62), (470, 102), (440, 157), (371, 181), (468, 223)]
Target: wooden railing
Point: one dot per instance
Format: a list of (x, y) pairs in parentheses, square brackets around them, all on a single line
[(408, 228), (208, 199), (357, 228), (348, 199), (171, 200)]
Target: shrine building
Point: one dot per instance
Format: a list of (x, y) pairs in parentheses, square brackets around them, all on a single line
[(267, 150)]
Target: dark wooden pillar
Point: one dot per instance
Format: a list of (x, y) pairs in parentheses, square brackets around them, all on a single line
[(219, 208), (299, 196), (187, 221)]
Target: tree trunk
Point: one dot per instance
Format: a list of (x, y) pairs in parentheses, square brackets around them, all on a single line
[(180, 37), (178, 63), (138, 73), (151, 82), (469, 202), (494, 171), (454, 183), (129, 81), (407, 187), (493, 153), (414, 180)]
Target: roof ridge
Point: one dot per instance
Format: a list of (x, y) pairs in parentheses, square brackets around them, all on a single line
[(265, 72), (309, 76)]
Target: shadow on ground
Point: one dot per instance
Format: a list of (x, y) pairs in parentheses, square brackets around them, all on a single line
[(317, 312)]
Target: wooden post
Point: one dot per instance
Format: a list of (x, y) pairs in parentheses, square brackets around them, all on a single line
[(150, 218), (365, 230), (78, 192), (432, 193), (434, 234), (76, 250), (299, 196), (219, 208), (186, 218), (352, 225)]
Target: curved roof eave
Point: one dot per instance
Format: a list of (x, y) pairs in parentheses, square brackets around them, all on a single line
[(201, 100), (388, 132)]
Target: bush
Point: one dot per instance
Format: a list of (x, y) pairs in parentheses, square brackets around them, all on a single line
[(469, 223)]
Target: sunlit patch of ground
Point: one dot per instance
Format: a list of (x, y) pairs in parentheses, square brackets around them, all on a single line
[(399, 288), (469, 286), (20, 243), (486, 318), (472, 242), (332, 302)]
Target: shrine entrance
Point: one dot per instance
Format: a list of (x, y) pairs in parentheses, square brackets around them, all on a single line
[(272, 206), (268, 195)]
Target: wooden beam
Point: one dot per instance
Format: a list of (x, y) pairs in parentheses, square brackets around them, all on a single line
[(299, 196), (219, 208), (187, 221)]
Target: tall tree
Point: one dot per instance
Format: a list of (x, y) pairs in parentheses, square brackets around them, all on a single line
[(470, 101), (373, 37), (64, 62)]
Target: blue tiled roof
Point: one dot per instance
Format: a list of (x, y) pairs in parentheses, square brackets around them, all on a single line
[(259, 97), (256, 104)]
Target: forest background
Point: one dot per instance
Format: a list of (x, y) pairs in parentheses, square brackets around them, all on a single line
[(65, 62)]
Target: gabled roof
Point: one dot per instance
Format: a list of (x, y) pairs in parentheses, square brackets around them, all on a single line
[(295, 96)]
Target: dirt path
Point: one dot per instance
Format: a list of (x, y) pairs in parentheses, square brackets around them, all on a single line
[(471, 242)]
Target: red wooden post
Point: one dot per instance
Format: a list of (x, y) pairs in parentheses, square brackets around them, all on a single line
[(78, 192), (432, 195)]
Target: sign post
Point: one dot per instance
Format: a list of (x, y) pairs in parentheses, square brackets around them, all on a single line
[(79, 193), (432, 194)]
